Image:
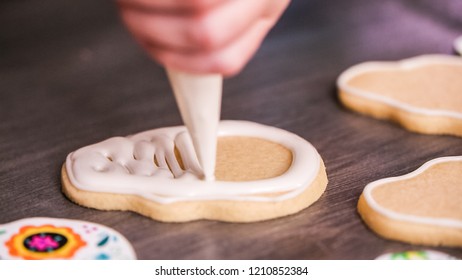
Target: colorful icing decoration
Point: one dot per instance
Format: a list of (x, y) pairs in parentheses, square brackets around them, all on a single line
[(44, 242), (49, 238), (458, 45), (199, 100), (416, 255)]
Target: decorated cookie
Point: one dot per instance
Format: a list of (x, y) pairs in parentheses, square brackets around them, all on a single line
[(423, 94), (416, 255), (49, 238), (261, 173), (458, 45), (422, 207)]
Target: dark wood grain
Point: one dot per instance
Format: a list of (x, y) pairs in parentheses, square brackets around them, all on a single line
[(70, 75)]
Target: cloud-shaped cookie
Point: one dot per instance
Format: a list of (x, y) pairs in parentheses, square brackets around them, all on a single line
[(423, 94), (422, 207)]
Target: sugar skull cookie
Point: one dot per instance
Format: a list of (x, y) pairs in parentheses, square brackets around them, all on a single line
[(261, 173), (50, 238)]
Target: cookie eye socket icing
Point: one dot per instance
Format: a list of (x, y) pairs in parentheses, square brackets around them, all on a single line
[(445, 222), (45, 241), (162, 188), (406, 64)]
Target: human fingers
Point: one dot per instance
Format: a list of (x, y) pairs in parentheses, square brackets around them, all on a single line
[(169, 6), (197, 32), (227, 61)]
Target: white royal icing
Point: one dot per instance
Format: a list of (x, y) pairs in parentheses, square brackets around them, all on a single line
[(125, 165), (199, 101), (445, 222), (51, 238), (458, 45), (411, 63)]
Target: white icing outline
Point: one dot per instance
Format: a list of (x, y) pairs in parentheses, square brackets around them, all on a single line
[(410, 63), (302, 172), (445, 222), (458, 45)]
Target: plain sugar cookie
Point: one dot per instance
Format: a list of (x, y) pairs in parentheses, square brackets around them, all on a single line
[(262, 173), (423, 94), (422, 207)]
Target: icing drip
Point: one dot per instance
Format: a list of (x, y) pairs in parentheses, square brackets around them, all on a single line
[(145, 164)]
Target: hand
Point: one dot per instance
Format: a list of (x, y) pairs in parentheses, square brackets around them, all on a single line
[(201, 36)]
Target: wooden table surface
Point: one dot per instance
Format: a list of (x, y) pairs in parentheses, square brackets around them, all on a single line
[(71, 75)]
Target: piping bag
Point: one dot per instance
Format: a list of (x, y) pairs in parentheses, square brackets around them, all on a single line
[(198, 97)]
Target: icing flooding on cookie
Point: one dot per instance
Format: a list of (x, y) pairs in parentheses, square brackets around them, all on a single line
[(445, 222), (139, 165), (406, 64)]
